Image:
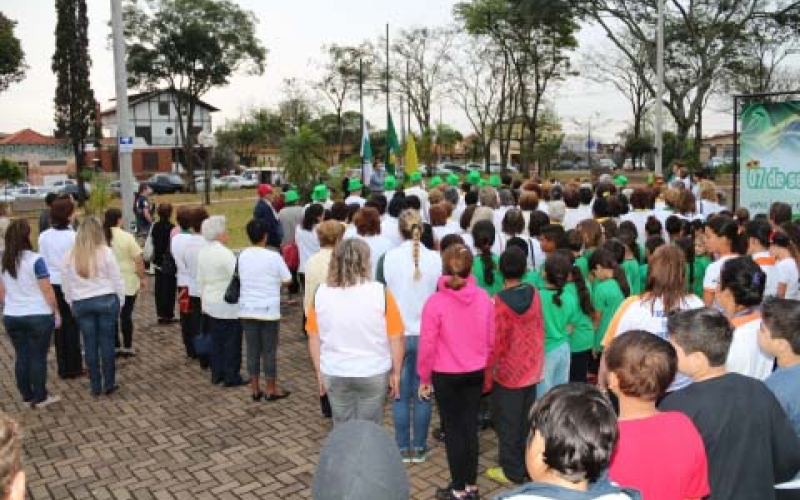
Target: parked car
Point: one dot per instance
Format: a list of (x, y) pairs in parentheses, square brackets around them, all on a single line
[(607, 163), (233, 181), (6, 197), (717, 162), (31, 193), (69, 186), (115, 187), (72, 190), (474, 166), (448, 168), (200, 183), (497, 168), (166, 183)]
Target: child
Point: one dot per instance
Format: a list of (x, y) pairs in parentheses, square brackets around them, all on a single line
[(553, 238), (630, 263), (780, 337), (722, 239), (12, 477), (701, 261), (650, 246), (581, 341), (484, 268), (641, 366), (592, 233), (786, 268), (759, 236), (516, 365), (609, 289), (573, 430), (561, 311), (750, 443)]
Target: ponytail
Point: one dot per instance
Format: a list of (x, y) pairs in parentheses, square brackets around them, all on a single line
[(622, 280), (583, 292), (416, 233), (488, 265)]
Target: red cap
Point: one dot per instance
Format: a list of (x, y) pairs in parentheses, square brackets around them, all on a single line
[(264, 189)]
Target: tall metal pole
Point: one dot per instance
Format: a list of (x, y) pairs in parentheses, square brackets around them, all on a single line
[(361, 108), (123, 124), (660, 90), (388, 154)]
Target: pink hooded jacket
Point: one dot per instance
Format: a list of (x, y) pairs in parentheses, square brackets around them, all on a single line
[(457, 331)]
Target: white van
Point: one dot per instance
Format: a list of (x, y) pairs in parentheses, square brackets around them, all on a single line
[(258, 175)]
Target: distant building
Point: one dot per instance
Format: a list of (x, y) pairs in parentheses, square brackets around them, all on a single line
[(156, 129), (717, 146), (39, 155)]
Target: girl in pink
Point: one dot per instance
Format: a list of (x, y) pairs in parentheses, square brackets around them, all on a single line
[(456, 339), (661, 454)]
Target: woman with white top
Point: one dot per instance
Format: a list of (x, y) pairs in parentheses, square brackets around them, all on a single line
[(177, 246), (741, 289), (129, 258), (411, 273), (54, 244), (367, 222), (93, 286), (722, 239), (29, 314), (354, 369), (215, 267), (262, 273), (665, 292), (759, 235), (188, 259), (786, 266), (306, 238)]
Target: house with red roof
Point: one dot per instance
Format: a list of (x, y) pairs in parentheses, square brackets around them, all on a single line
[(40, 156)]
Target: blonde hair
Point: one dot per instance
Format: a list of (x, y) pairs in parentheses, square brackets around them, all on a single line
[(88, 240), (350, 265), (410, 225)]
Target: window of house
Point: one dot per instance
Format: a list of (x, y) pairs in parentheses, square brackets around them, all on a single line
[(163, 108), (145, 133)]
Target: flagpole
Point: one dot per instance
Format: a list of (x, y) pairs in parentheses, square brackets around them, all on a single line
[(387, 91)]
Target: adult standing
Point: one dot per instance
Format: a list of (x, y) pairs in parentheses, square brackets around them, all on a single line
[(128, 254), (30, 312), (455, 345), (165, 281), (411, 273), (44, 215), (93, 286), (265, 211), (187, 258), (177, 246), (355, 369), (143, 210), (291, 216), (306, 238), (54, 244), (215, 267), (367, 222), (354, 190), (262, 272), (378, 178)]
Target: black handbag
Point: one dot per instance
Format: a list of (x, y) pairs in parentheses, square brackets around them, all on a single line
[(234, 287)]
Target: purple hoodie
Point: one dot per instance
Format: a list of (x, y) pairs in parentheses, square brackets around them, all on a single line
[(457, 331)]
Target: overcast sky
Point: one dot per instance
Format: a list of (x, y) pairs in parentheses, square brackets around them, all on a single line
[(294, 32)]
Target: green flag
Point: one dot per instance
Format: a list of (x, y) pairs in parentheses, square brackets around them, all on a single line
[(392, 146)]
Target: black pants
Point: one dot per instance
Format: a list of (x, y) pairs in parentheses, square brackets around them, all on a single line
[(510, 408), (125, 322), (67, 340), (198, 322), (164, 290), (579, 366), (301, 278), (459, 398), (294, 286)]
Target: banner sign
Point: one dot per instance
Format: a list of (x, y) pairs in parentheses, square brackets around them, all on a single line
[(769, 160)]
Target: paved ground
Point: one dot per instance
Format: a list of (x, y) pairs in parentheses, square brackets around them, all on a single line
[(169, 434)]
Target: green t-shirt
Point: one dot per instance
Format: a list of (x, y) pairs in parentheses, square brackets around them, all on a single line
[(701, 263), (559, 320), (582, 263), (582, 338), (631, 268), (534, 278), (642, 278), (606, 299), (477, 271)]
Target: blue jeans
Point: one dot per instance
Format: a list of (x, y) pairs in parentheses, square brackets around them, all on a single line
[(556, 369), (31, 336), (409, 403), (97, 319), (226, 350)]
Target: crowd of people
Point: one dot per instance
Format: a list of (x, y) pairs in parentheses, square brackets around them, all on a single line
[(626, 342)]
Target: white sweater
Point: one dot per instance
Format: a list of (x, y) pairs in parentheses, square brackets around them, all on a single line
[(105, 280)]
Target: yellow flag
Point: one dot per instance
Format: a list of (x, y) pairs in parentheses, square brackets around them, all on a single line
[(411, 160)]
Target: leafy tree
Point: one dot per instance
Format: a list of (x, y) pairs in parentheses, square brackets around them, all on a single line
[(189, 47), (296, 108), (12, 57), (10, 172), (536, 37), (446, 138), (74, 100), (303, 156)]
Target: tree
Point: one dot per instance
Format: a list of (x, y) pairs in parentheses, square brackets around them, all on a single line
[(296, 108), (74, 100), (340, 81), (10, 172), (303, 156), (189, 47), (12, 57), (536, 36), (446, 138)]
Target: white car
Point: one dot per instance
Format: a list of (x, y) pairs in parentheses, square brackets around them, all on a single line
[(235, 182), (200, 183), (115, 187), (31, 193), (6, 197), (69, 186)]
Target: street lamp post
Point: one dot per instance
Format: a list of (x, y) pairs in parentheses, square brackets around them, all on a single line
[(123, 126)]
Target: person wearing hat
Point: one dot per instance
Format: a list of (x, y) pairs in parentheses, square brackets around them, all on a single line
[(354, 189), (378, 178), (264, 210), (621, 181), (320, 194), (435, 182), (495, 181), (452, 180), (418, 190), (474, 177), (389, 187), (291, 216)]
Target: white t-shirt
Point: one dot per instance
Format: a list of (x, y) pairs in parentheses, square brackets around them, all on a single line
[(391, 230), (745, 356), (378, 245), (639, 219), (411, 294), (641, 313), (23, 295), (711, 278), (788, 274), (177, 245), (766, 261), (355, 200), (54, 244), (439, 232), (261, 274), (307, 245)]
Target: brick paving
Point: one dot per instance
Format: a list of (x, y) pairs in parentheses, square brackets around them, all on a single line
[(170, 435)]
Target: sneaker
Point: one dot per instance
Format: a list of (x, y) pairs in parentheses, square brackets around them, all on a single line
[(406, 455), (449, 494), (419, 455), (497, 474), (51, 399)]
